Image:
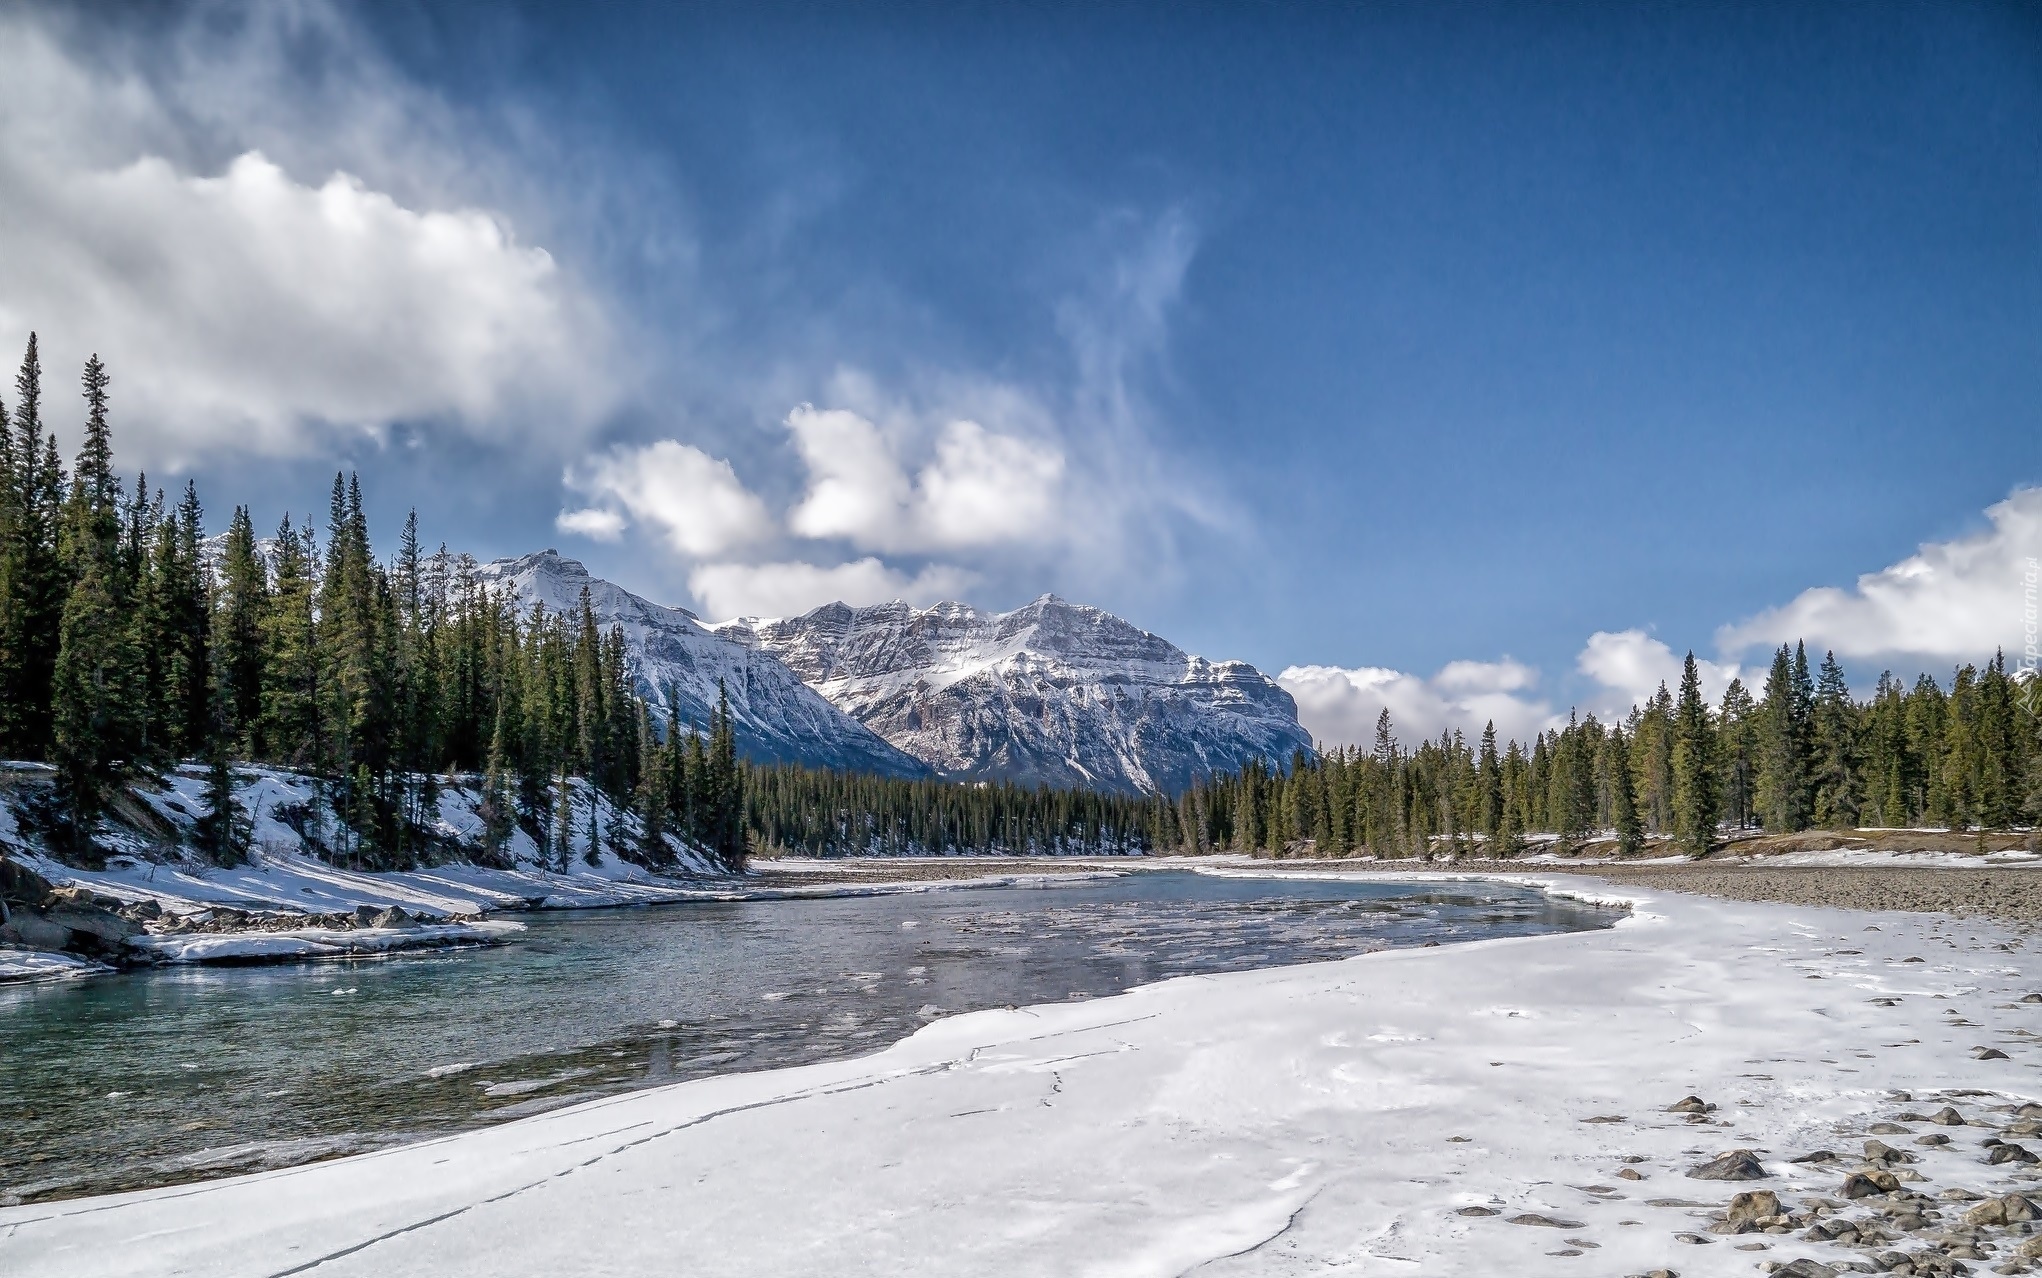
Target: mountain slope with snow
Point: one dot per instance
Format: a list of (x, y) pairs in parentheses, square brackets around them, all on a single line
[(1052, 692), (777, 717)]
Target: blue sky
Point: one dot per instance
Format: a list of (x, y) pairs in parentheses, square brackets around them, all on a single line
[(1359, 338)]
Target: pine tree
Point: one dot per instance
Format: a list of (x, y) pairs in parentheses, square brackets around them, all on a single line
[(1838, 791), (1623, 803), (1782, 780), (93, 698), (1489, 771), (31, 611), (237, 633), (1738, 738), (1694, 766)]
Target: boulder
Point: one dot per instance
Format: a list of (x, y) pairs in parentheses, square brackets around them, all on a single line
[(1754, 1205), (2003, 1211), (1864, 1184), (1947, 1117), (21, 886), (393, 917), (32, 930), (2008, 1153), (1878, 1151), (1689, 1105), (1738, 1164), (92, 931)]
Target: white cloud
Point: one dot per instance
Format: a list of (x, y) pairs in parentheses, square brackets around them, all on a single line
[(694, 500), (244, 305), (1632, 664), (595, 523), (1952, 600), (787, 589), (977, 488), (1339, 705)]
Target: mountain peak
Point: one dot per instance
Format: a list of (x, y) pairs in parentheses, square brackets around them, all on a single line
[(1051, 692)]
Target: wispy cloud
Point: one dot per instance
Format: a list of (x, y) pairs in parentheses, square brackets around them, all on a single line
[(944, 479)]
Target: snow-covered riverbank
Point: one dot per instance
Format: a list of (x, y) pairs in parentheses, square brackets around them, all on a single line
[(285, 906), (1305, 1119)]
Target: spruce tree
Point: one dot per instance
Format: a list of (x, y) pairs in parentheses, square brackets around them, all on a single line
[(31, 612), (1623, 803), (1738, 745), (1838, 792), (1694, 766), (93, 698)]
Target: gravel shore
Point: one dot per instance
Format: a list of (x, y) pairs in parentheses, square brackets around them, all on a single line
[(2010, 895)]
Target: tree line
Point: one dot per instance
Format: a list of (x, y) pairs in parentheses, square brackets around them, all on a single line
[(130, 642), (1803, 754), (821, 812)]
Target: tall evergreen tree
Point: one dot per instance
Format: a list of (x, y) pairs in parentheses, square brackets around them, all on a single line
[(1837, 787), (1694, 766), (1623, 803)]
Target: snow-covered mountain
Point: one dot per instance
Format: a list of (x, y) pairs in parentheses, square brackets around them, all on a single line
[(777, 716), (1052, 692)]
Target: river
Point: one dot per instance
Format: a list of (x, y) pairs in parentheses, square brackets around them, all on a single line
[(178, 1074)]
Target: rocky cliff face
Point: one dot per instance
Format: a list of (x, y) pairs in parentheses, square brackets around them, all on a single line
[(1052, 692), (776, 716)]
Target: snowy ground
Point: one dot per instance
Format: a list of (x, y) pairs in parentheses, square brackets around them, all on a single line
[(1329, 1118), (41, 965)]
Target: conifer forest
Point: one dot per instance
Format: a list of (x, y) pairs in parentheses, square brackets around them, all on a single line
[(130, 641)]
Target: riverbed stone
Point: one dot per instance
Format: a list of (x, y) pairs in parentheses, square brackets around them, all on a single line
[(1690, 1105), (1738, 1164), (1947, 1116), (2006, 1210), (1547, 1222), (1754, 1205), (1804, 1268), (1878, 1151), (1866, 1183)]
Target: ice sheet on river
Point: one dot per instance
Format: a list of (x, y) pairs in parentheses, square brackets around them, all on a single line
[(1333, 1116)]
